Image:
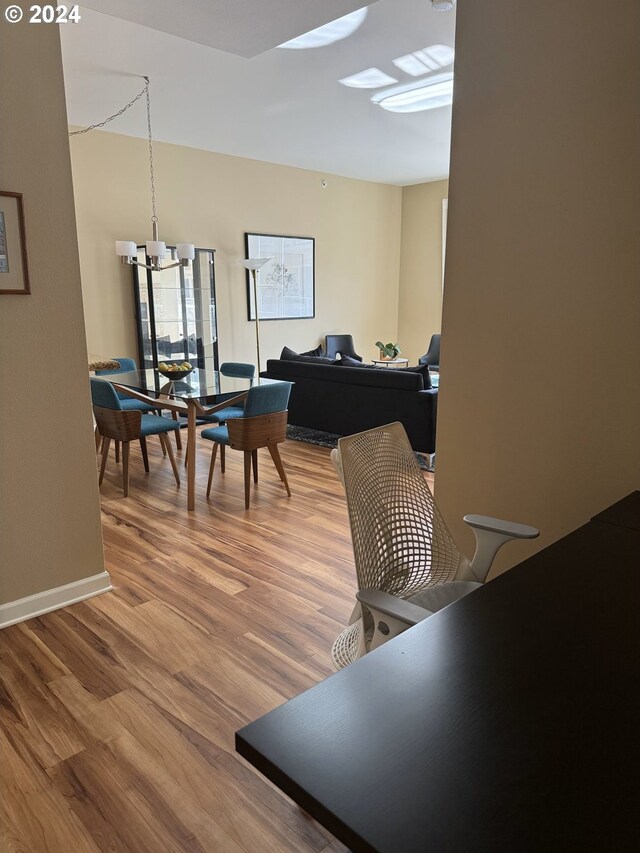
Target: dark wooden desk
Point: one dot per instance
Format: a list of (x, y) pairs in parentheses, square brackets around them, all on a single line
[(506, 722)]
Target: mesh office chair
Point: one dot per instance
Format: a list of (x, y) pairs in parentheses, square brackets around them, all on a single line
[(407, 564)]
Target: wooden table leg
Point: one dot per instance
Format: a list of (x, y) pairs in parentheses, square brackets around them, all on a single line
[(191, 459)]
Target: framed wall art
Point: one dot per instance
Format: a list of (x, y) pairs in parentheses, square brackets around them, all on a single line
[(14, 272), (286, 283)]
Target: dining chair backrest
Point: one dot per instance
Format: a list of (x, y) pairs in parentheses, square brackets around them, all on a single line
[(237, 368), (126, 365), (103, 394), (264, 399)]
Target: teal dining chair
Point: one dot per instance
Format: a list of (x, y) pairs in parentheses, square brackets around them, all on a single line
[(228, 368), (262, 424), (240, 370), (122, 425), (127, 365)]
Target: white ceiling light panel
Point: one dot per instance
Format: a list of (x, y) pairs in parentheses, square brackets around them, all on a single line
[(427, 59), (371, 78), (427, 94)]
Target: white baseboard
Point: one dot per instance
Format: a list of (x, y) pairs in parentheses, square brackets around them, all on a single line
[(53, 599)]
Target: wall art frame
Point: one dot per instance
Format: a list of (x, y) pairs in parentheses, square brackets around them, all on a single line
[(286, 283), (14, 267)]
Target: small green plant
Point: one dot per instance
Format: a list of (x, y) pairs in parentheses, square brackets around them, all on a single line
[(388, 350)]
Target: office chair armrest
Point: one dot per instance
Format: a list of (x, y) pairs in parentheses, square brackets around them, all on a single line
[(391, 615), (498, 525), (491, 534), (337, 464)]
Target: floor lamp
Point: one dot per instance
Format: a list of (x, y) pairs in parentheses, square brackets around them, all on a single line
[(253, 265)]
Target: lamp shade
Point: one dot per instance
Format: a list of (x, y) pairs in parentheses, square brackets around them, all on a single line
[(254, 263), (126, 248), (186, 251), (156, 249)]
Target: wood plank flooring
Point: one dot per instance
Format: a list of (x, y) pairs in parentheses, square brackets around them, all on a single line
[(119, 713)]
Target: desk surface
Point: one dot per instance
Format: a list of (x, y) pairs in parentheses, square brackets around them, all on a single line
[(506, 722)]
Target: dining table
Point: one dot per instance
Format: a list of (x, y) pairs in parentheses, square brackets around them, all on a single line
[(204, 391)]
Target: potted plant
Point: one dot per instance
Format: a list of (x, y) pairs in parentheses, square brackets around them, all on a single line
[(389, 351)]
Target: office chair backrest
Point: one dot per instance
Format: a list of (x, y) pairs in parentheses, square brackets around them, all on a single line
[(400, 541)]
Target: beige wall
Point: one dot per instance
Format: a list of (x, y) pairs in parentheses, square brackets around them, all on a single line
[(50, 514), (420, 304), (539, 409), (211, 200)]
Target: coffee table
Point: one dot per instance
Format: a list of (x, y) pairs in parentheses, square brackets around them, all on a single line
[(391, 362)]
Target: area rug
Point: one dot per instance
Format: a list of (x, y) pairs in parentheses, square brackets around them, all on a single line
[(330, 439)]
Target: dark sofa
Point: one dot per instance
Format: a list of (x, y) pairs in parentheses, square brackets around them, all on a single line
[(345, 400)]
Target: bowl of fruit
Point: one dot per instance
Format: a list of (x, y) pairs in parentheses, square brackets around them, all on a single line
[(174, 371)]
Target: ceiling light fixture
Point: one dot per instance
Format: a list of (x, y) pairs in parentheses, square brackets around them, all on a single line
[(443, 5), (428, 94), (371, 78), (328, 33), (423, 61), (156, 249)]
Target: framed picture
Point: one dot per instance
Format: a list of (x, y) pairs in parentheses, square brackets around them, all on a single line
[(14, 272), (286, 283)]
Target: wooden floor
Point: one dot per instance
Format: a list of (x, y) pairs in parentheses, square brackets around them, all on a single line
[(119, 713)]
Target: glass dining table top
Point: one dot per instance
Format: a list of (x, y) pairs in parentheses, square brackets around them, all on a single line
[(201, 384)]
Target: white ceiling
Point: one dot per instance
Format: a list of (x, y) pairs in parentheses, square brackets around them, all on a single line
[(229, 25), (281, 106)]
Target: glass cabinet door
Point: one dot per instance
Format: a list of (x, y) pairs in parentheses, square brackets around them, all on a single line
[(176, 311)]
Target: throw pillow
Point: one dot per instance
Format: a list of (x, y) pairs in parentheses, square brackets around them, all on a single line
[(288, 354), (347, 361), (423, 369), (318, 352)]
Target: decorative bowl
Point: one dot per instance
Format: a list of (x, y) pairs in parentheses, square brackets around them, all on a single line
[(175, 375)]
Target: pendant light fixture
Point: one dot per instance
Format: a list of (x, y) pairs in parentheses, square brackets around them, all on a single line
[(156, 249)]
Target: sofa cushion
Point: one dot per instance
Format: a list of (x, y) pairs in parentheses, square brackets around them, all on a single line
[(325, 371), (288, 354), (422, 369)]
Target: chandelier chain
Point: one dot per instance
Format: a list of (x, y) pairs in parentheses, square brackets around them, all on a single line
[(115, 115), (154, 217)]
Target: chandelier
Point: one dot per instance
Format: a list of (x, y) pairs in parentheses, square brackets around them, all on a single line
[(156, 249)]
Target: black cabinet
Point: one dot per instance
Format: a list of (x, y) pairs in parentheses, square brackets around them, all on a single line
[(176, 310)]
